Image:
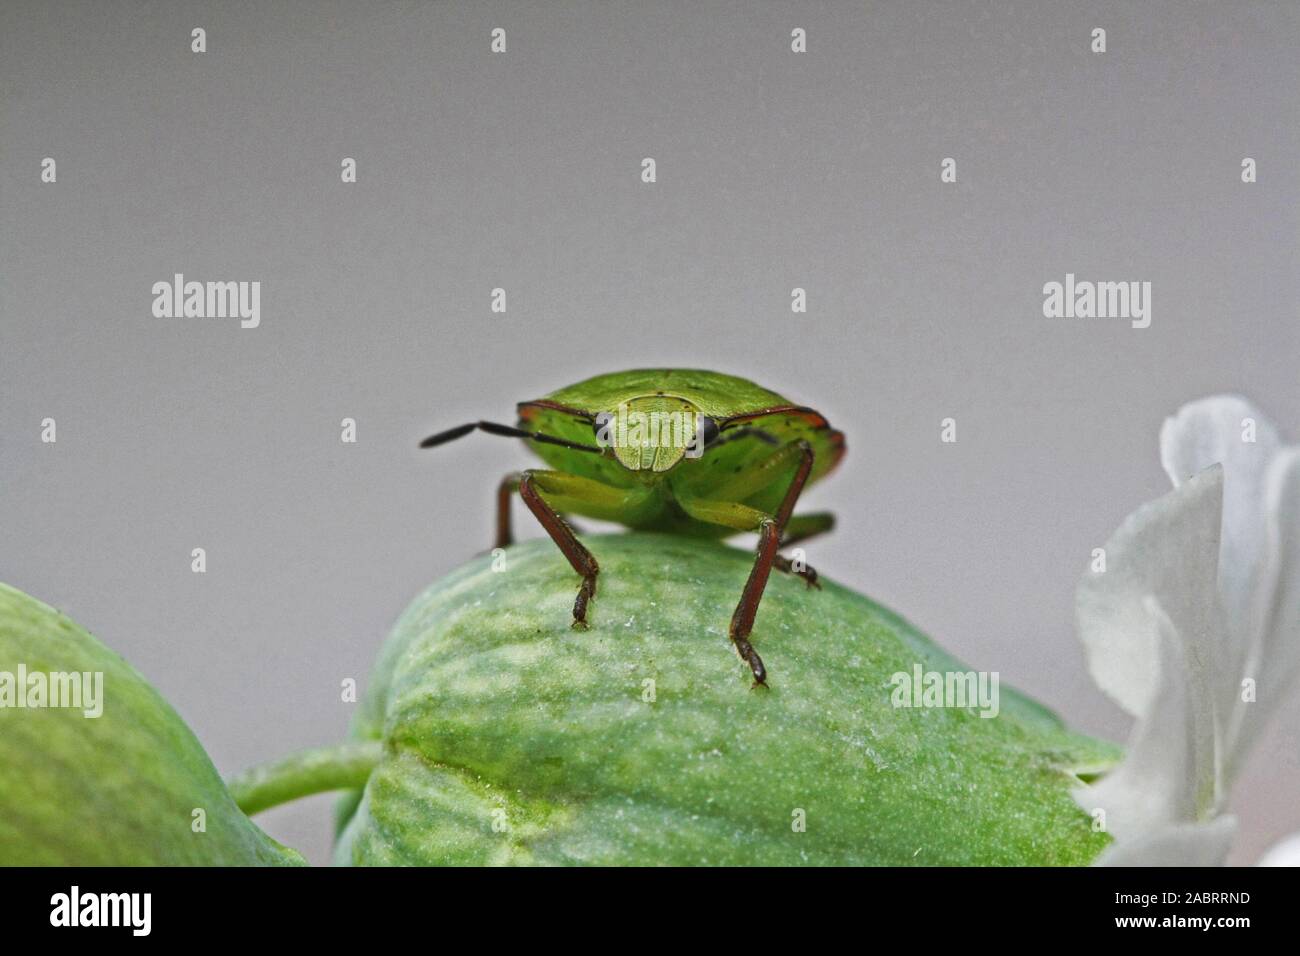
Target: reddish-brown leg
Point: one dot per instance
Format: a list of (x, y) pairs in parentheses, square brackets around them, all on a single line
[(796, 486), (578, 556), (505, 492), (733, 514), (769, 538), (807, 572), (742, 621), (801, 528)]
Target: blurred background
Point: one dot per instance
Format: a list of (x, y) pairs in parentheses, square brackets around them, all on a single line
[(522, 170)]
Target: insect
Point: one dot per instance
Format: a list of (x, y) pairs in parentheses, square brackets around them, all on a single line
[(677, 450)]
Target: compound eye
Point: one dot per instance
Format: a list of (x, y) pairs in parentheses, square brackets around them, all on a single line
[(710, 430)]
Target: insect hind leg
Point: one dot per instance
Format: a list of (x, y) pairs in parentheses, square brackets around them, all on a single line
[(801, 528), (505, 492)]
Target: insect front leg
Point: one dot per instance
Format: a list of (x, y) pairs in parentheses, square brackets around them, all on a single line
[(547, 493), (731, 514), (791, 463), (743, 518), (505, 495)]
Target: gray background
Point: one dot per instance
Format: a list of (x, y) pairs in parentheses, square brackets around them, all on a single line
[(521, 170)]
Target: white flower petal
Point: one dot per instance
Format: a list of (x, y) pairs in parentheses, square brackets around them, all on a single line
[(1212, 431), (1168, 773), (1185, 844), (1283, 629), (1286, 852), (1273, 658), (1168, 550), (1202, 589)]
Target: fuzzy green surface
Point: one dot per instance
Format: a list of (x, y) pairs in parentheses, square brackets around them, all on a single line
[(511, 738), (119, 789)]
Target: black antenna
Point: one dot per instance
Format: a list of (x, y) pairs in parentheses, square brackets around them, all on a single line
[(506, 431)]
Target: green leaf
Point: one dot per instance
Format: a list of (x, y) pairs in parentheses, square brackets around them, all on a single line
[(118, 789), (509, 737)]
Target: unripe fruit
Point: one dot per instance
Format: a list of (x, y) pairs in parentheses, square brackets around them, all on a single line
[(119, 789), (509, 737)]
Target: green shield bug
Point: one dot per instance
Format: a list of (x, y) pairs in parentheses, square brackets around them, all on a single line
[(678, 450)]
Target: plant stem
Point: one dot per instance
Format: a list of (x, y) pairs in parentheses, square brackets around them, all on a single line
[(340, 767)]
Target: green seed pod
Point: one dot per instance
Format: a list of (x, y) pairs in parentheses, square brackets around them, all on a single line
[(504, 736), (95, 768)]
